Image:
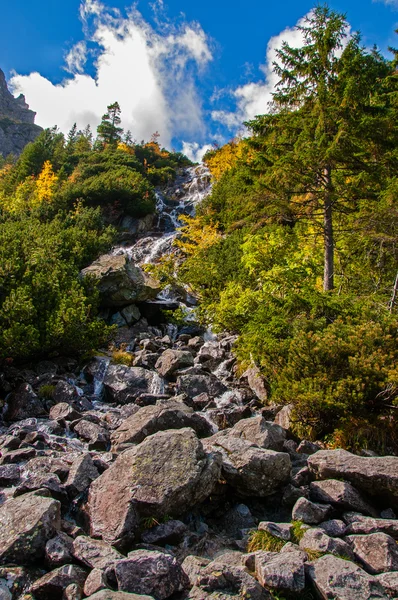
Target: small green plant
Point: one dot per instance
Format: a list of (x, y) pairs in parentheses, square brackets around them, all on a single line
[(121, 357), (46, 391), (150, 522), (262, 540), (297, 531), (314, 554)]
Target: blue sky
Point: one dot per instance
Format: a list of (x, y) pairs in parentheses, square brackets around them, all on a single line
[(191, 70)]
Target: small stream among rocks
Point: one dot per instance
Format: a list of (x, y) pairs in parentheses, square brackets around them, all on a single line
[(147, 480)]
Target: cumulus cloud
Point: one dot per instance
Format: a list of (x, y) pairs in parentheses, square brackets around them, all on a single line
[(393, 3), (151, 73), (194, 151), (253, 98)]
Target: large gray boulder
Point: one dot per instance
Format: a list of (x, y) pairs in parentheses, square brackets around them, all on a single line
[(149, 420), (95, 554), (166, 474), (52, 584), (257, 430), (341, 494), (120, 282), (23, 403), (374, 475), (110, 595), (316, 540), (124, 384), (311, 513), (281, 571), (358, 524), (26, 524), (172, 360), (150, 572), (251, 470), (338, 579), (196, 384)]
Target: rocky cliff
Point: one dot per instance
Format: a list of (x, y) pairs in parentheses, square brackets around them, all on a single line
[(17, 121)]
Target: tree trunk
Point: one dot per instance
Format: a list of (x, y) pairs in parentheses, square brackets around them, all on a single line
[(328, 272)]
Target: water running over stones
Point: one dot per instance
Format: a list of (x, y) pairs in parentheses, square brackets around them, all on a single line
[(105, 470)]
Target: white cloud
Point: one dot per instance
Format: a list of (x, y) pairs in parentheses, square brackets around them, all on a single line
[(253, 98), (194, 151), (393, 3), (149, 73)]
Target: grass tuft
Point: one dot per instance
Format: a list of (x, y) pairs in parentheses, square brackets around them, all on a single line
[(262, 540)]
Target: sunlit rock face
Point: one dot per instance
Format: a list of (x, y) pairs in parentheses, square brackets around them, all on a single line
[(17, 121)]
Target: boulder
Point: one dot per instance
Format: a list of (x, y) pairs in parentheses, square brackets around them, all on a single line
[(279, 530), (389, 581), (149, 420), (59, 550), (358, 524), (124, 384), (110, 595), (150, 572), (256, 383), (27, 523), (260, 432), (220, 580), (374, 475), (171, 533), (131, 314), (16, 456), (165, 474), (120, 282), (96, 436), (95, 582), (65, 392), (9, 475), (64, 411), (45, 465), (95, 554), (284, 417), (310, 512), (192, 566), (281, 571), (316, 540), (251, 470), (334, 527), (340, 579), (81, 474), (172, 360), (23, 404), (378, 552), (194, 384), (341, 494), (53, 584)]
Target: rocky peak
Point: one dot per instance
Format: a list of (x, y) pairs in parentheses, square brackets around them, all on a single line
[(17, 126)]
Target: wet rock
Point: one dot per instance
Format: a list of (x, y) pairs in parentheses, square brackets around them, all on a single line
[(251, 470), (27, 523), (9, 475), (165, 474), (95, 554), (375, 476), (150, 572), (358, 524), (120, 282), (310, 512), (149, 420), (53, 584), (171, 360), (124, 384), (195, 384), (211, 351), (131, 314), (260, 432), (81, 474), (341, 494), (281, 571), (95, 582), (341, 579), (96, 436), (170, 533), (256, 382), (65, 392), (59, 550), (64, 411), (316, 540), (23, 403), (378, 552), (279, 530), (17, 456)]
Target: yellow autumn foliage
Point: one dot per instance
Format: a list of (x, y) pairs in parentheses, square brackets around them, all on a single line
[(45, 185), (196, 236), (125, 148), (224, 158)]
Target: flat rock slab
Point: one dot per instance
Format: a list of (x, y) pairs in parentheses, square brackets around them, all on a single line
[(338, 579), (26, 524), (166, 474), (358, 524), (219, 580), (257, 430), (341, 494), (110, 595), (309, 512), (373, 475), (124, 384), (316, 540), (95, 554), (150, 572)]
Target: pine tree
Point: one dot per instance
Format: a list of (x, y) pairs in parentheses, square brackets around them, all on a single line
[(108, 131)]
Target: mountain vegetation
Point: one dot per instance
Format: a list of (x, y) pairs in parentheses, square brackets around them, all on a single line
[(60, 204), (298, 250)]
